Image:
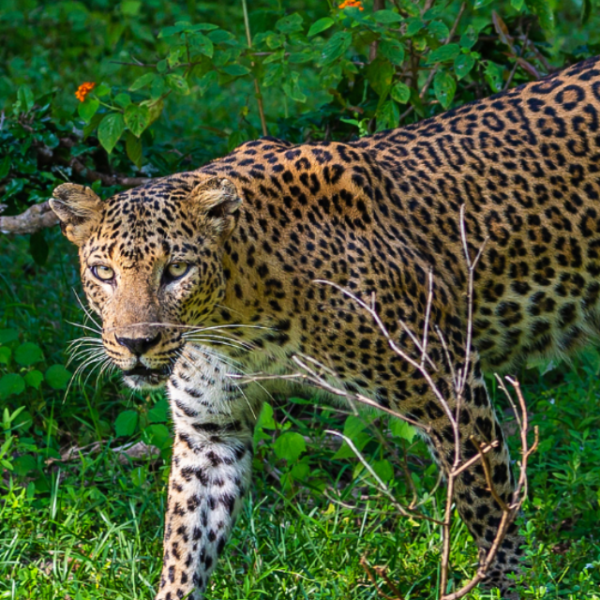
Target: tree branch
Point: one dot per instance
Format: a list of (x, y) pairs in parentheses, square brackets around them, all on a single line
[(39, 216)]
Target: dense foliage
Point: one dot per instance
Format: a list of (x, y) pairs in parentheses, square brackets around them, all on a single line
[(108, 93)]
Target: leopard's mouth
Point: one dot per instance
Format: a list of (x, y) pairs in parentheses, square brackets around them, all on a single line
[(142, 377)]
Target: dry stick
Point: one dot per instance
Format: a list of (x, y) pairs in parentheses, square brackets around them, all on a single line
[(259, 100), (380, 484), (381, 326), (488, 475), (460, 386), (365, 565), (470, 289), (427, 315)]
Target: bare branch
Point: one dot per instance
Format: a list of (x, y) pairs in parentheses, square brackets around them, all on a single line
[(38, 216)]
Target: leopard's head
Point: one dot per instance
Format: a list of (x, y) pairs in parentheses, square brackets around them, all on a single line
[(151, 264)]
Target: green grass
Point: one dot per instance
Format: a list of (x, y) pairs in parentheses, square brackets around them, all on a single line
[(91, 527)]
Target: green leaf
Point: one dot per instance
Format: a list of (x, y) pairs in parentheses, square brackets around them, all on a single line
[(8, 335), (203, 44), (110, 130), (444, 86), (481, 3), (360, 440), (159, 413), (87, 109), (298, 58), (34, 379), (25, 98), (444, 53), (130, 8), (158, 87), (142, 82), (5, 354), (300, 471), (155, 109), (58, 377), (137, 118), (173, 30), (12, 383), (206, 81), (414, 25), (102, 90), (290, 24), (335, 47), (123, 100), (133, 147), (158, 435), (289, 446), (392, 50), (5, 166), (265, 420), (24, 464), (236, 70), (387, 16), (384, 470), (400, 93), (178, 84), (126, 423), (517, 4), (544, 12), (388, 116), (202, 27), (493, 74), (355, 425), (292, 89), (28, 353), (22, 421), (219, 36), (92, 125), (380, 73), (402, 429), (463, 65), (438, 30), (276, 56), (468, 38), (320, 25)]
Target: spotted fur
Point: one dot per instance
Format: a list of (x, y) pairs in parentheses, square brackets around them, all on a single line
[(374, 216)]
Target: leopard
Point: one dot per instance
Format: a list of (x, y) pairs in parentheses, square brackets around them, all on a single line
[(273, 251)]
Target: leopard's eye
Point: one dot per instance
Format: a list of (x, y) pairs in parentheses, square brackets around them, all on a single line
[(177, 270), (103, 273)]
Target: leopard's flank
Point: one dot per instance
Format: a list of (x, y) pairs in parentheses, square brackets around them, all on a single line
[(212, 272)]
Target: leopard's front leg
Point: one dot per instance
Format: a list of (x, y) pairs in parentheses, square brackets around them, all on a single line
[(210, 472)]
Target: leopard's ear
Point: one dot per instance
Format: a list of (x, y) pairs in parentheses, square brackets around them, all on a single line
[(218, 200), (78, 208)]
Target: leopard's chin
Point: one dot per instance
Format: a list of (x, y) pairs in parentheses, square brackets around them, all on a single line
[(143, 378)]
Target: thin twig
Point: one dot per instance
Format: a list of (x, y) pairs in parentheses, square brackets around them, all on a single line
[(380, 484), (515, 66)]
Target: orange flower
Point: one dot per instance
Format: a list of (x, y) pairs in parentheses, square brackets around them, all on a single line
[(351, 4), (84, 89)]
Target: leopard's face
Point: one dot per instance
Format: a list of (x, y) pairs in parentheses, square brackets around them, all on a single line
[(151, 266)]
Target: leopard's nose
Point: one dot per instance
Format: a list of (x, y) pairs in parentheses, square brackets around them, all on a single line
[(139, 346)]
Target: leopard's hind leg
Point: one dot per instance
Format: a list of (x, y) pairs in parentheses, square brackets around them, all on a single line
[(476, 503)]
